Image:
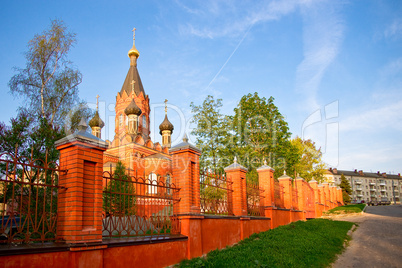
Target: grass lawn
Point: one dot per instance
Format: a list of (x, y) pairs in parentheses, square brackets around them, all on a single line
[(314, 243), (347, 209)]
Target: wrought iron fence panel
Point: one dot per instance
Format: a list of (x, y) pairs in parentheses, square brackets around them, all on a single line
[(28, 198), (215, 194), (278, 195), (138, 206), (254, 200)]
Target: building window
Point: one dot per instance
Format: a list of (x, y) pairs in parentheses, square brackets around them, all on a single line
[(121, 120), (168, 190), (152, 186), (144, 121)]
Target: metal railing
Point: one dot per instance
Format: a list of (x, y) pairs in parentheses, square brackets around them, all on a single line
[(255, 205), (28, 193), (215, 194), (278, 195), (136, 206)]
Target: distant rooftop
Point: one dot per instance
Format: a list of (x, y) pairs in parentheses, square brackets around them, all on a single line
[(361, 173)]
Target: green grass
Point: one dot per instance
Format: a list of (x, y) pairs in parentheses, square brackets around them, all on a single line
[(347, 209), (314, 243)]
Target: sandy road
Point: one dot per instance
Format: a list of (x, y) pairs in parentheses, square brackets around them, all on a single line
[(377, 242)]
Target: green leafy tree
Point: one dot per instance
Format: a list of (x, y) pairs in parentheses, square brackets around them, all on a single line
[(26, 140), (119, 196), (33, 148), (261, 133), (49, 82), (15, 134), (346, 189), (212, 192), (255, 132), (212, 133), (308, 162), (49, 85), (75, 115)]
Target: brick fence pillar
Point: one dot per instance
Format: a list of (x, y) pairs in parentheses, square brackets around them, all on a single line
[(321, 197), (314, 185), (301, 195), (332, 190), (80, 205), (186, 176), (336, 196), (237, 174), (340, 196), (286, 182), (325, 187), (267, 183)]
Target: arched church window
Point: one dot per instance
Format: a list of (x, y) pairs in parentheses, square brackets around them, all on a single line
[(144, 121), (168, 182), (152, 187)]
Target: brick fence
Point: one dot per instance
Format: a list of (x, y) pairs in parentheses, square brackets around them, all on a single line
[(79, 222)]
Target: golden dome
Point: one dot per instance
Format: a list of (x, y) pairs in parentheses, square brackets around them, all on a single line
[(133, 50)]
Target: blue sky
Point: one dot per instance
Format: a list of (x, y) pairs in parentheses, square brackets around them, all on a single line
[(333, 67)]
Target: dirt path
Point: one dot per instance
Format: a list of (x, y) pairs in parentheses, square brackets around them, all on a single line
[(377, 242)]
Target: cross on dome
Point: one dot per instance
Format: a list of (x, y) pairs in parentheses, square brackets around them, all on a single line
[(134, 35), (97, 102), (132, 83), (133, 51)]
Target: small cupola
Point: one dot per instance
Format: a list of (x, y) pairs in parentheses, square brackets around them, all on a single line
[(96, 122), (166, 125), (166, 129), (132, 111)]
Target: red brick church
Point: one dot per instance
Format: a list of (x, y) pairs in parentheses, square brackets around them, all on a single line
[(132, 144)]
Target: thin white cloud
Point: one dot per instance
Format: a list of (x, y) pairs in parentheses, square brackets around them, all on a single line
[(394, 29), (323, 32), (388, 111), (384, 159), (193, 11), (272, 11), (387, 117), (392, 69), (230, 18)]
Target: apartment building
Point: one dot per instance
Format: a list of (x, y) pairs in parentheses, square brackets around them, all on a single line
[(368, 186)]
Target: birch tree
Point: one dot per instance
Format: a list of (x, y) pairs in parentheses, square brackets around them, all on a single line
[(49, 82)]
